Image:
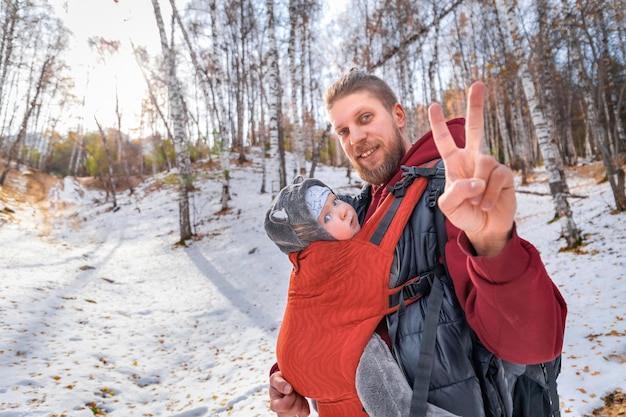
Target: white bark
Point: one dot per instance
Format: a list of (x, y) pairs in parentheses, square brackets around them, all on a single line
[(296, 85), (548, 150), (276, 165), (502, 128), (177, 117), (220, 108), (594, 124)]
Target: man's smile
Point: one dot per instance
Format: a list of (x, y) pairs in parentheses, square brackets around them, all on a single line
[(367, 153)]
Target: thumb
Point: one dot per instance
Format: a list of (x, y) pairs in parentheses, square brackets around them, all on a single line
[(287, 389)]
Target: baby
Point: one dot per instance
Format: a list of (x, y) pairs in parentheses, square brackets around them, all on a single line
[(327, 347)]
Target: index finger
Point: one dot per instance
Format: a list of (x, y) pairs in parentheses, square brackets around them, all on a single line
[(441, 134), (475, 123)]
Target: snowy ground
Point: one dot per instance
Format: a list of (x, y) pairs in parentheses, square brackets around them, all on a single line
[(103, 310)]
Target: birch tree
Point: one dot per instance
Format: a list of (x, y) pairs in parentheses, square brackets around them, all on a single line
[(10, 19), (122, 143), (591, 108), (29, 71), (295, 27), (177, 117), (219, 106), (612, 99), (549, 151), (509, 86), (40, 83), (277, 173), (110, 183), (211, 79)]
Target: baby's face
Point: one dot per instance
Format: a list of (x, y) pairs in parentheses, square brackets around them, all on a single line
[(339, 219)]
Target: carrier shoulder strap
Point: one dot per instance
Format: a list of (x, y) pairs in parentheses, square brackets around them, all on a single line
[(421, 382), (386, 227), (387, 224), (433, 176)]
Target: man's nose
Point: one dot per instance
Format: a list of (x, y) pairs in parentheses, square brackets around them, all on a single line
[(356, 135)]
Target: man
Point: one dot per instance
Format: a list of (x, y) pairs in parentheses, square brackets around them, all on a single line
[(500, 283)]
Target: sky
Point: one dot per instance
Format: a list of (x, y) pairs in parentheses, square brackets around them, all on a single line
[(98, 79), (101, 308)]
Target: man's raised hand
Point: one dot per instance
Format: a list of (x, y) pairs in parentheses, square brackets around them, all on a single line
[(479, 197)]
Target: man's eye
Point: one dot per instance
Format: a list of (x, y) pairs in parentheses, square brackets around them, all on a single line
[(366, 117), (342, 132)]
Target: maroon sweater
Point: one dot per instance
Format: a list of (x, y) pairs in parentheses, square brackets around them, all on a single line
[(509, 299)]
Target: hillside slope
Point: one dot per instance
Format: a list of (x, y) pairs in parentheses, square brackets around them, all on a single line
[(101, 312)]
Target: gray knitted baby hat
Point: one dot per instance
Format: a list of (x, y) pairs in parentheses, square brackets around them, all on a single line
[(290, 221), (315, 197)]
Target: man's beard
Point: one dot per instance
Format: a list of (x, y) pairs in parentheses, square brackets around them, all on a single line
[(382, 174)]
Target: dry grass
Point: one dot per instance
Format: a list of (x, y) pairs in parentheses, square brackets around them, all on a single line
[(27, 188)]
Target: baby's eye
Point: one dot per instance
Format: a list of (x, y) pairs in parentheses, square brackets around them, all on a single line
[(335, 202), (327, 218)]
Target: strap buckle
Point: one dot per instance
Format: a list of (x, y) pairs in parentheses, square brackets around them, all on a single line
[(409, 174), (418, 287)]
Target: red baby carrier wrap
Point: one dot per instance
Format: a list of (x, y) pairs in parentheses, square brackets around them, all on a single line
[(338, 293)]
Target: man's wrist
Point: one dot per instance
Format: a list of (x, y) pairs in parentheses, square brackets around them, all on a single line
[(490, 245)]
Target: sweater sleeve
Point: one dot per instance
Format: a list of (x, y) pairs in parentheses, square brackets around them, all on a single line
[(509, 299)]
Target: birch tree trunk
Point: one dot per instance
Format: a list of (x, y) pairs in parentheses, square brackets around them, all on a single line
[(502, 127), (433, 64), (178, 128), (122, 145), (110, 177), (11, 17), (522, 135), (546, 80), (317, 149), (73, 156), (263, 137), (518, 134), (212, 89), (296, 85), (571, 156), (612, 105), (549, 151), (491, 144), (220, 107), (277, 147), (33, 103), (592, 120)]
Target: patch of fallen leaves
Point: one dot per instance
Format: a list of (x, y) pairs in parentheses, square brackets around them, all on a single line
[(593, 336), (614, 405)]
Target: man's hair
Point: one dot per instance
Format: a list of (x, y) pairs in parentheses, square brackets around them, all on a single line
[(356, 80)]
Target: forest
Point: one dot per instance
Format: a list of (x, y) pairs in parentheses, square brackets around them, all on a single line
[(239, 73)]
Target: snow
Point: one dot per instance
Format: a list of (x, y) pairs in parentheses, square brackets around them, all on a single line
[(102, 309)]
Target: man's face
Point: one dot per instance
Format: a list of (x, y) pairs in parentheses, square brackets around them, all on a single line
[(370, 135)]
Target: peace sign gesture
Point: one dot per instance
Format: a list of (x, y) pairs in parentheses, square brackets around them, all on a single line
[(479, 197)]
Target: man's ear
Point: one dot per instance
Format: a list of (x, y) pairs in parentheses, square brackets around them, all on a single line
[(399, 115)]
